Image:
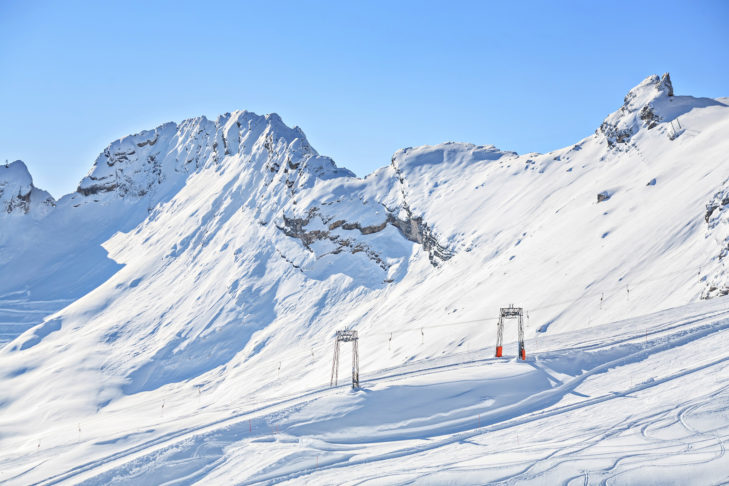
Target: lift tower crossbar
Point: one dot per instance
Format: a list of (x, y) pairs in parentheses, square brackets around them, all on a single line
[(346, 336), (510, 312)]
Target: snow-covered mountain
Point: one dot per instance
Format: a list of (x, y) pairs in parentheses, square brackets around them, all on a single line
[(18, 195), (200, 270)]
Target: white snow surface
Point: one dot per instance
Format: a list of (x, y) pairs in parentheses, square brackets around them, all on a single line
[(172, 321)]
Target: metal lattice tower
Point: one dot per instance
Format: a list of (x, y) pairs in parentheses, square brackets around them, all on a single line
[(346, 336), (510, 312)]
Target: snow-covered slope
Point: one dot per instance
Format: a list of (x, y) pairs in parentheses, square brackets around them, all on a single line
[(201, 269), (57, 260)]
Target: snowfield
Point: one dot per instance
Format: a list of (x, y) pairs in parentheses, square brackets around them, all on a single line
[(172, 321)]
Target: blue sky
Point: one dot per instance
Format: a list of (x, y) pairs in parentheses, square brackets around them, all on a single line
[(361, 79)]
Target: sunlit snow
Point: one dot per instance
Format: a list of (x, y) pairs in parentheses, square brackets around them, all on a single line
[(172, 321)]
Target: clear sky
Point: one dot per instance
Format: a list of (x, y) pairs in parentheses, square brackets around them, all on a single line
[(362, 79)]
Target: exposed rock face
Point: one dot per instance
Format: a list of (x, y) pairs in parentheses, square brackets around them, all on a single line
[(638, 111), (717, 220), (615, 135), (649, 117), (296, 228), (665, 84), (413, 227), (154, 160), (417, 231), (128, 166), (336, 231), (719, 201), (374, 217), (18, 195)]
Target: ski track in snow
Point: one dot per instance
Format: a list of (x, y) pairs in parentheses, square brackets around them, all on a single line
[(19, 315), (540, 407)]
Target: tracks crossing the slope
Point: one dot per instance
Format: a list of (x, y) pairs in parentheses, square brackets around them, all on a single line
[(536, 407), (18, 315), (539, 405)]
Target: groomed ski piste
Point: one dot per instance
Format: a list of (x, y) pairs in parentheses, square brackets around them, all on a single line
[(182, 304), (643, 401)]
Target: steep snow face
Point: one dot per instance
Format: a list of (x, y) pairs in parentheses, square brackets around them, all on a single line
[(18, 195), (58, 261), (235, 251)]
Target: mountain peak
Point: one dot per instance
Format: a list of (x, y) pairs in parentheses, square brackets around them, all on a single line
[(153, 162), (638, 110), (648, 90), (665, 83), (18, 195), (17, 171)]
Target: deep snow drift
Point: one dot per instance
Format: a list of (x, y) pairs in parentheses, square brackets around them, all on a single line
[(172, 319)]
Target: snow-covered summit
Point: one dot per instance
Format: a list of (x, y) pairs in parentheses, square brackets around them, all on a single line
[(153, 162), (18, 195), (639, 110), (651, 105)]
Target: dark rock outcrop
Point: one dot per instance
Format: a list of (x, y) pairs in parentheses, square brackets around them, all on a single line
[(411, 228)]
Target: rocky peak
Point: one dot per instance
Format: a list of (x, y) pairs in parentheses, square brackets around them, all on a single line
[(648, 90), (664, 84), (149, 162), (18, 195), (638, 110)]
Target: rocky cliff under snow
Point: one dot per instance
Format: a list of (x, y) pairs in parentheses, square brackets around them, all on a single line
[(217, 258), (18, 195)]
